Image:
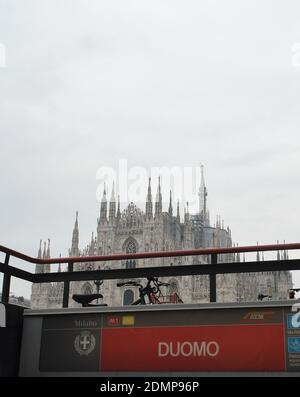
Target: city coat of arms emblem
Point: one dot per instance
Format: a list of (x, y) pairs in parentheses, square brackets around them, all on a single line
[(84, 343)]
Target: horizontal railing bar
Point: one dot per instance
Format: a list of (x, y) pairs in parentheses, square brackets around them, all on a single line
[(166, 271), (15, 272), (158, 254)]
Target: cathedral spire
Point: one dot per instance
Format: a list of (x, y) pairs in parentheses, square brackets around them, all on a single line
[(75, 238), (186, 213), (46, 255), (202, 192), (45, 251), (149, 195), (43, 254), (112, 205), (40, 250), (118, 210), (257, 254), (48, 249), (170, 205), (158, 201), (178, 212), (104, 194), (103, 207), (39, 267), (187, 233), (92, 246), (76, 221), (149, 205), (203, 199), (278, 252)]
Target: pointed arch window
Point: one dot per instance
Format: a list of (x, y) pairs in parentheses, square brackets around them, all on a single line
[(131, 248), (128, 297), (173, 287), (87, 289)]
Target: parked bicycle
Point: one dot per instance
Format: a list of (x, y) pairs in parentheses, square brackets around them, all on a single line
[(151, 293)]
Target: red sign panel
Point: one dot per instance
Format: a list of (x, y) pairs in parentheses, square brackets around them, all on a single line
[(257, 347)]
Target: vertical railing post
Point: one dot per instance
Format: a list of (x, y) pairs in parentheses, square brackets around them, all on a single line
[(6, 282), (67, 287), (213, 280)]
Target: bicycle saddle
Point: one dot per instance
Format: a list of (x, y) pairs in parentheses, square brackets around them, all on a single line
[(85, 300)]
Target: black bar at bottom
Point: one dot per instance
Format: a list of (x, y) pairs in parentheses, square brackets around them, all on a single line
[(213, 281), (67, 287), (6, 282)]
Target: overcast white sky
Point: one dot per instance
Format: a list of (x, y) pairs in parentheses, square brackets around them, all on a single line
[(160, 83)]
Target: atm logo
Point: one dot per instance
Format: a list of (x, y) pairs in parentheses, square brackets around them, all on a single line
[(258, 316)]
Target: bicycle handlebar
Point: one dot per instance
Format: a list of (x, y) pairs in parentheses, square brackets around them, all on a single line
[(133, 283), (155, 280), (163, 284)]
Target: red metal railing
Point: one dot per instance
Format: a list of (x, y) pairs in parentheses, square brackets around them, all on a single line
[(157, 254), (211, 269)]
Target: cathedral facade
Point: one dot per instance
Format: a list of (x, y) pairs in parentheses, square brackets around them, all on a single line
[(134, 230)]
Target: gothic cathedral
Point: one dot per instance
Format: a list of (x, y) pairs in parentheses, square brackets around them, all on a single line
[(133, 230)]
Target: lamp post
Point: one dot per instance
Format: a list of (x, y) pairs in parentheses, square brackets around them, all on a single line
[(98, 283)]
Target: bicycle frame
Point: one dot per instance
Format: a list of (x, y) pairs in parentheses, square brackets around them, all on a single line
[(150, 291)]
